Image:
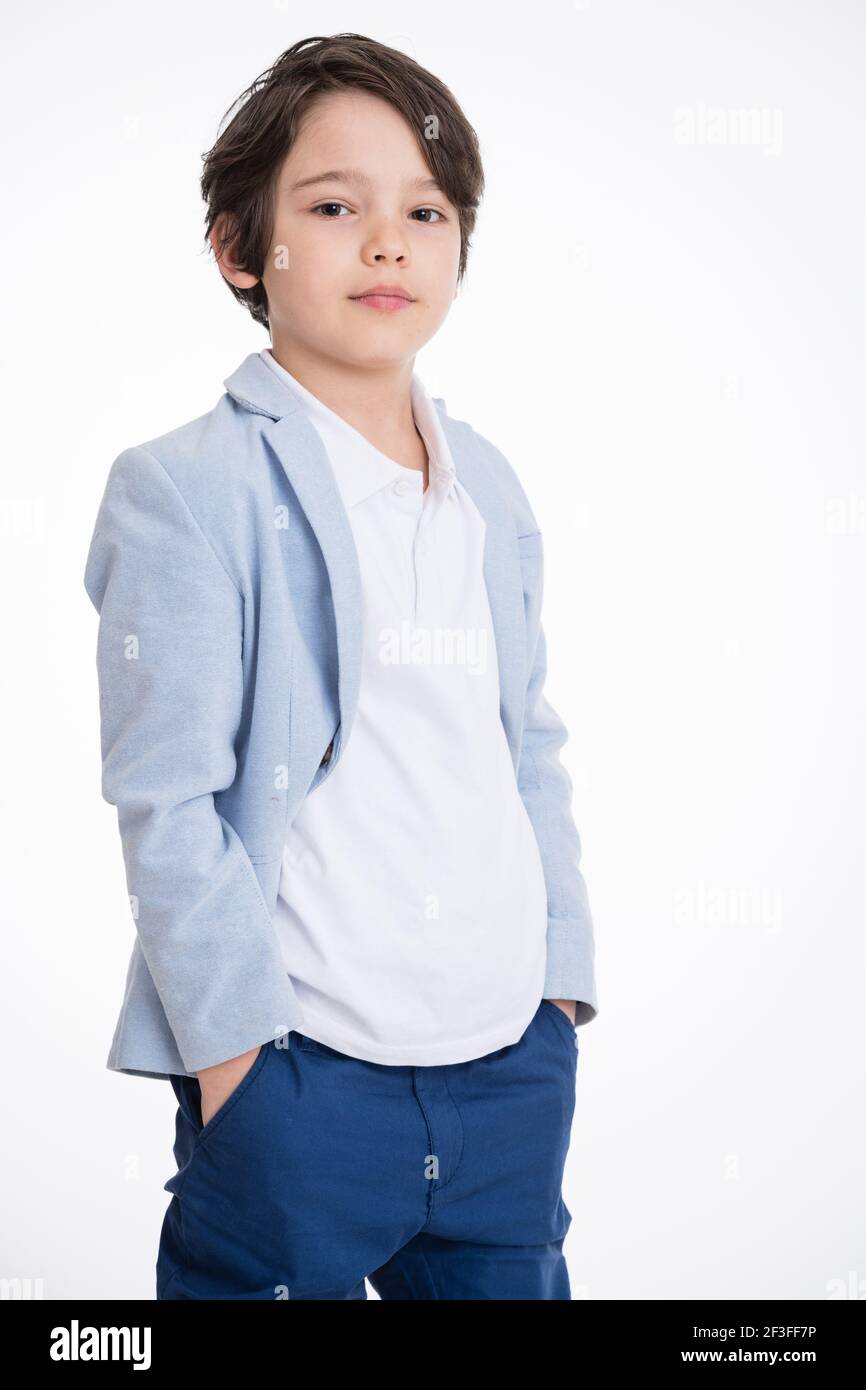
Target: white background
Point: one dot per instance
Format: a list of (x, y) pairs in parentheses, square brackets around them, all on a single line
[(662, 328)]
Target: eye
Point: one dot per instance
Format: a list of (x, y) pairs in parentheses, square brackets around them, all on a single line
[(434, 211), (321, 206)]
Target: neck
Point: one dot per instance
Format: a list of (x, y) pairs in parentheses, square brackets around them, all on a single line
[(376, 401)]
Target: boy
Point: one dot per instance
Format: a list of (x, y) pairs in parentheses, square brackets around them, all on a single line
[(363, 938)]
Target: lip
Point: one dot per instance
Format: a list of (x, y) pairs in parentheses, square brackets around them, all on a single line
[(388, 297)]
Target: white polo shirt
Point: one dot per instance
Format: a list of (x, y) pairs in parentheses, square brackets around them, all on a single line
[(412, 907)]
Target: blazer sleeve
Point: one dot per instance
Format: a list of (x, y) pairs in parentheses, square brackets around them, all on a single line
[(547, 792), (169, 664)]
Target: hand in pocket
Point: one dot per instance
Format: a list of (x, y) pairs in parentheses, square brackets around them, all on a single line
[(570, 1011), (217, 1083)]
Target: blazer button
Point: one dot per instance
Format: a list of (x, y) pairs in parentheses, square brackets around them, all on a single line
[(328, 751)]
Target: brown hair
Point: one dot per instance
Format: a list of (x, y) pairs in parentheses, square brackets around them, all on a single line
[(239, 177)]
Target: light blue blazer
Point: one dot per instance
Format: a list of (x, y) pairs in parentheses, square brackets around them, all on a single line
[(225, 575)]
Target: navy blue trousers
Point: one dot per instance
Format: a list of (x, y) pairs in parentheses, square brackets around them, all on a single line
[(321, 1171)]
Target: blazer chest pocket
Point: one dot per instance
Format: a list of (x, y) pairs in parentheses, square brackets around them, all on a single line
[(531, 545)]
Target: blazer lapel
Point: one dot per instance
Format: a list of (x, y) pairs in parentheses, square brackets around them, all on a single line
[(299, 448), (502, 572)]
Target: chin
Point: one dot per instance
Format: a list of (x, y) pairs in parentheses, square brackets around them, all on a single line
[(374, 353)]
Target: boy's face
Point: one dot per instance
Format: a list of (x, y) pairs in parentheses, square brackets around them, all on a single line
[(382, 222)]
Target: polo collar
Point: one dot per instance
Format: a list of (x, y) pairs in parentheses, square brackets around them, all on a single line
[(366, 470)]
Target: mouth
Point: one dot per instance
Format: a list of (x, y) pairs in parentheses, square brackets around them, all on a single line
[(384, 297)]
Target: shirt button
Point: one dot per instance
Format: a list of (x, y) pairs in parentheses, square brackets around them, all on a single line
[(402, 487)]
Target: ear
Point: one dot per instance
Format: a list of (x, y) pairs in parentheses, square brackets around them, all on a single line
[(224, 254)]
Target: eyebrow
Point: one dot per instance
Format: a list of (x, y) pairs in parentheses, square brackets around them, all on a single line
[(358, 176)]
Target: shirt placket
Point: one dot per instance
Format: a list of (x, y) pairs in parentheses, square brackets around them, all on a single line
[(418, 549), (431, 504)]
